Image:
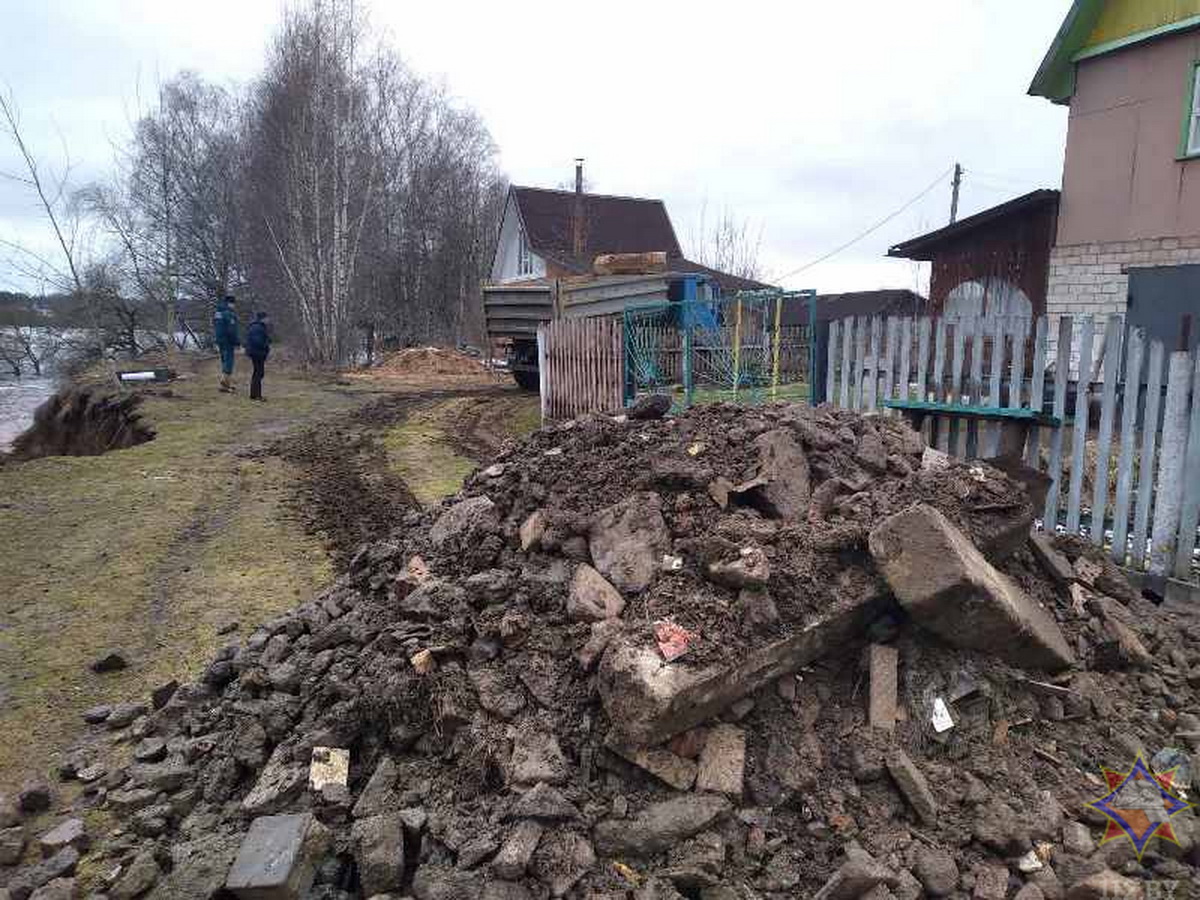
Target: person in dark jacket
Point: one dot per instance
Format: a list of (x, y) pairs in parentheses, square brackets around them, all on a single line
[(258, 346), (225, 335)]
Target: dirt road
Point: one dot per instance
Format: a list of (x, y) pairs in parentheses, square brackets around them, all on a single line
[(237, 511)]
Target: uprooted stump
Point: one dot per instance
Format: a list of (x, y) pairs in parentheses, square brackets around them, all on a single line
[(80, 422)]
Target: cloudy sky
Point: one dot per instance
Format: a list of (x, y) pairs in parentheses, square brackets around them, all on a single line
[(813, 121)]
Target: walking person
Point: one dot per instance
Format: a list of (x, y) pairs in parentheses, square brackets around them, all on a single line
[(225, 334), (258, 346)]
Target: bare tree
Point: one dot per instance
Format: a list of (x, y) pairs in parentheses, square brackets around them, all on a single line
[(727, 244), (62, 214)]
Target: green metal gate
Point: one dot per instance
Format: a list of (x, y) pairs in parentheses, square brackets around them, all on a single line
[(755, 347)]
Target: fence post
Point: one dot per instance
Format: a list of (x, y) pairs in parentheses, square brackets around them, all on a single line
[(1130, 393), (813, 396), (543, 375), (1145, 489), (1037, 391), (1169, 496), (775, 350), (1108, 411), (1062, 374), (687, 357), (1079, 439), (737, 348), (1191, 487)]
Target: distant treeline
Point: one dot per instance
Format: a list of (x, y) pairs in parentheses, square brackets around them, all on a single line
[(338, 190)]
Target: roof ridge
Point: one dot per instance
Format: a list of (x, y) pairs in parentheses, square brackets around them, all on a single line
[(571, 193)]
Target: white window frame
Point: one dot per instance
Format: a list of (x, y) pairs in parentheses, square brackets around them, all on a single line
[(1191, 123), (524, 254)]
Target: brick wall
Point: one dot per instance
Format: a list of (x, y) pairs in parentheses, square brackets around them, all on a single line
[(1093, 278)]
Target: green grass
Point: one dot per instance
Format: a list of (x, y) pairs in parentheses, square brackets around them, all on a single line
[(418, 452), (148, 550)]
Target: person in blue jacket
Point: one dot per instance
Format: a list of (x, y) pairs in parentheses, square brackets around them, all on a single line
[(258, 346), (225, 335)]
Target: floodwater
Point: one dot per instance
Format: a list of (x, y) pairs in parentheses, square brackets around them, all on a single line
[(18, 400)]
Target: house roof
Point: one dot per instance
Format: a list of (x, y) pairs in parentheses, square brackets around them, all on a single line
[(611, 224), (888, 301), (1095, 27), (926, 245)]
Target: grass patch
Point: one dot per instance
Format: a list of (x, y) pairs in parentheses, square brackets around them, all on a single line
[(148, 550), (419, 453)]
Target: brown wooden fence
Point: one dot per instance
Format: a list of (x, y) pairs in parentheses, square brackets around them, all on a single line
[(582, 366)]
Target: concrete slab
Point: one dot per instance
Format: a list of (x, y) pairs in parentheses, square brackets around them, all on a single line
[(278, 858), (650, 701), (949, 588)]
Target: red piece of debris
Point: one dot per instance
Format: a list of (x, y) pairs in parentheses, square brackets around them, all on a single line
[(673, 640)]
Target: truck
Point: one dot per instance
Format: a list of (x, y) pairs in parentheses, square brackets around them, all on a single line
[(514, 310)]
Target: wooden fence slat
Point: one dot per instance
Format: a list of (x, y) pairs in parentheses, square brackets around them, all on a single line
[(1016, 376), (889, 358), (1145, 487), (831, 362), (860, 352), (1168, 500), (1080, 430), (1037, 388), (975, 386), (939, 362), (1190, 514), (1108, 413), (999, 352), (1062, 374), (872, 398), (1130, 392), (906, 327), (847, 355), (922, 357), (956, 377)]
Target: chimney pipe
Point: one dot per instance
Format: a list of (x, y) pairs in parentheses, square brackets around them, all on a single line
[(577, 214)]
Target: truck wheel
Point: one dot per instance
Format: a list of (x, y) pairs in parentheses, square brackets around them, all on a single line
[(528, 381)]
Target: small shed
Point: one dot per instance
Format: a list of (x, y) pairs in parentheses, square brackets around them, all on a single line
[(885, 302), (995, 262)]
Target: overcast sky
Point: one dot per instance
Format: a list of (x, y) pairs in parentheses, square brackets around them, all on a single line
[(812, 121)]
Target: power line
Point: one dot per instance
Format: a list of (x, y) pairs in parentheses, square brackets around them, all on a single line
[(832, 253)]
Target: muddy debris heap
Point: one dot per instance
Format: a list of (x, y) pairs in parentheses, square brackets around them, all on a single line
[(741, 653)]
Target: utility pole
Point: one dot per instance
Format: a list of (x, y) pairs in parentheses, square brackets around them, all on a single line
[(958, 173)]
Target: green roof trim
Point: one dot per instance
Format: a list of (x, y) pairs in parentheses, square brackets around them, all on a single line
[(1055, 78)]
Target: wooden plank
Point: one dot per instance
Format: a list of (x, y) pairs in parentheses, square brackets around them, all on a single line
[(1079, 431), (1037, 387), (923, 327), (873, 379), (883, 664), (1062, 374), (1189, 517), (975, 386), (846, 360), (1108, 413), (1145, 487), (906, 326), (1168, 498), (956, 377), (541, 351), (889, 360), (1016, 374), (966, 410), (860, 352), (1000, 331), (1126, 461), (831, 370)]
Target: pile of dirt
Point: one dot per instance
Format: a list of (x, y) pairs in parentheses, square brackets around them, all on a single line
[(740, 653), (428, 362), (83, 422)]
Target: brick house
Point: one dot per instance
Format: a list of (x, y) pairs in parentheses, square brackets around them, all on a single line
[(1128, 229)]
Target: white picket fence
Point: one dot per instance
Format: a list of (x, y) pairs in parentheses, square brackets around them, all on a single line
[(1153, 451)]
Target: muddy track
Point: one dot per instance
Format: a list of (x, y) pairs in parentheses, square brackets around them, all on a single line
[(347, 492)]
